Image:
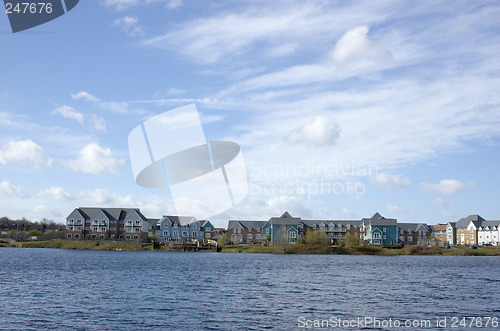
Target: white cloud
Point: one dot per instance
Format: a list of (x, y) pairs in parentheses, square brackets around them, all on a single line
[(445, 187), (69, 112), (448, 214), (130, 25), (391, 181), (321, 131), (57, 193), (85, 96), (442, 202), (8, 189), (93, 159), (24, 152), (392, 208), (124, 4), (98, 123), (354, 46)]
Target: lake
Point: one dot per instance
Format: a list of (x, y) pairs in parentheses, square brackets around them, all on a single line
[(120, 290)]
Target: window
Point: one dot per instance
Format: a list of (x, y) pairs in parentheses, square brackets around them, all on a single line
[(194, 226), (165, 233), (101, 236), (112, 229), (207, 235), (112, 236), (384, 237), (69, 235), (137, 222), (292, 234), (77, 236), (385, 230), (127, 237), (94, 229), (70, 228), (267, 231), (121, 236), (471, 236), (194, 234), (376, 235), (249, 236), (175, 233), (103, 229), (136, 237), (137, 230)]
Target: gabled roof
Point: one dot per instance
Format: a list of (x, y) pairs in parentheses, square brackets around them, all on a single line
[(286, 218), (112, 213), (438, 227), (179, 220), (247, 225), (490, 224), (464, 222), (378, 219), (413, 227)]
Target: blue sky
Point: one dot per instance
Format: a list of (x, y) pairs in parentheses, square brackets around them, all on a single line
[(341, 109)]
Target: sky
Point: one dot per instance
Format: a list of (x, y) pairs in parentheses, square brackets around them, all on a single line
[(341, 108)]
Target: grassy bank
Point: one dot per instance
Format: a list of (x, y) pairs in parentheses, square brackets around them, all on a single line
[(287, 249), (83, 244)]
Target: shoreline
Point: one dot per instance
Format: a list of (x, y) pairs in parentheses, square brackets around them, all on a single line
[(287, 249)]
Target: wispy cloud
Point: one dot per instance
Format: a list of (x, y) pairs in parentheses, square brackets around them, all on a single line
[(445, 187), (56, 193), (124, 4), (391, 181), (69, 112), (130, 25), (10, 190)]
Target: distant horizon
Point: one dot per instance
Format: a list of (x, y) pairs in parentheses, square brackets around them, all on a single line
[(339, 108)]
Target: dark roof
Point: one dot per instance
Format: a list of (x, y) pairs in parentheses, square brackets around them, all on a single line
[(179, 220), (247, 224), (490, 223), (413, 227), (463, 222), (111, 213)]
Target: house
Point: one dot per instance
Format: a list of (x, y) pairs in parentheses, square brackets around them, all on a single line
[(413, 233), (179, 229), (439, 234), (379, 230), (335, 229), (208, 231), (467, 229), (489, 233), (246, 232), (451, 233), (107, 224), (284, 229)]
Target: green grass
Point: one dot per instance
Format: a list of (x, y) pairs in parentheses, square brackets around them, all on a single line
[(287, 249)]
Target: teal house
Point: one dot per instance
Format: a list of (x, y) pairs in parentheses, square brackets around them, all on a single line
[(380, 231), (284, 229)]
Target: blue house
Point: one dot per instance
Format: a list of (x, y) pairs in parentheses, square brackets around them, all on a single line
[(284, 229), (181, 229), (379, 230)]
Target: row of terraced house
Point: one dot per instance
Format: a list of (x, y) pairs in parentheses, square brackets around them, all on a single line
[(130, 224)]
